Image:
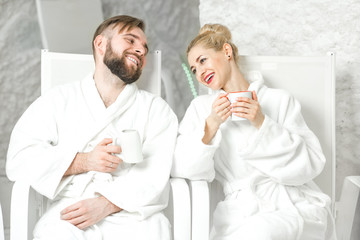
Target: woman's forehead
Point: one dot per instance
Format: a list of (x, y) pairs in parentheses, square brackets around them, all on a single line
[(199, 50)]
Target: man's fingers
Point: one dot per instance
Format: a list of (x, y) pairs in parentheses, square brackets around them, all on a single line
[(70, 208), (113, 149), (111, 158), (105, 142), (83, 225), (77, 220)]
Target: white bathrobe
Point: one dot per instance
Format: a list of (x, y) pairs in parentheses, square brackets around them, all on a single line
[(266, 173), (72, 118)]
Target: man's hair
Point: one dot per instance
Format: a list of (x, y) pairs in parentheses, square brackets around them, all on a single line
[(126, 22)]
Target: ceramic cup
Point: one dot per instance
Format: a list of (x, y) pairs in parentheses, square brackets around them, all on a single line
[(130, 143), (232, 98)]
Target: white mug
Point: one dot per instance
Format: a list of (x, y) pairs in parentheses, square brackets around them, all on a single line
[(130, 143), (232, 98)]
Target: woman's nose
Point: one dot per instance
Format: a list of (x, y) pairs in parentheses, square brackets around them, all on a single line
[(201, 72)]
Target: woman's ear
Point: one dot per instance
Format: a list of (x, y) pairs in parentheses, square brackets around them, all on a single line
[(227, 50)]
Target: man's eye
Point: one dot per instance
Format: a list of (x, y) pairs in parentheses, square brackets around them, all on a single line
[(130, 40)]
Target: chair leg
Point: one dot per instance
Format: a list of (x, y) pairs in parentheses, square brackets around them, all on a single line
[(348, 209), (182, 209), (19, 211)]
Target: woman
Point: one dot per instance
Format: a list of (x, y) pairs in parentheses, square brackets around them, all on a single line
[(265, 164)]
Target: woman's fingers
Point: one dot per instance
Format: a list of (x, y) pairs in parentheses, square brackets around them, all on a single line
[(224, 106), (241, 105), (254, 96), (245, 107)]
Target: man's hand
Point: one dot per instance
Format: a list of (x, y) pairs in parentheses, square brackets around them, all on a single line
[(100, 159), (88, 212)]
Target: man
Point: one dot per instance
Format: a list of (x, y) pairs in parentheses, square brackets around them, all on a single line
[(63, 146)]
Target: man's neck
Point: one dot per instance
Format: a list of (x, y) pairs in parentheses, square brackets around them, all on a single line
[(109, 86)]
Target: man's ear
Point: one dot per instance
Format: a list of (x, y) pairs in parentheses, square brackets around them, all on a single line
[(100, 44)]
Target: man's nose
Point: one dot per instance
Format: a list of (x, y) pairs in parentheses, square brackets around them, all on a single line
[(140, 50)]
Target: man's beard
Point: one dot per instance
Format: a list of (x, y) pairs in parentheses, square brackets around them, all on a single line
[(118, 66)]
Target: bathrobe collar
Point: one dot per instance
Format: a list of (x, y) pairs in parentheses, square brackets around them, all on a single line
[(255, 80), (96, 105)]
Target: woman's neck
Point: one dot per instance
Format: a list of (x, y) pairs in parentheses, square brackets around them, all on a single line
[(237, 81)]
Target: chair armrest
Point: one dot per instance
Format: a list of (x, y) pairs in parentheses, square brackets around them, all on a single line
[(181, 209), (19, 211), (200, 204), (346, 207)]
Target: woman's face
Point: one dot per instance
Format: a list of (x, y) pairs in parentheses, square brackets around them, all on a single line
[(210, 67)]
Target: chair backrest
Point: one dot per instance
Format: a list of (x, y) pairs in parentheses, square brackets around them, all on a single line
[(312, 81), (60, 68), (68, 25)]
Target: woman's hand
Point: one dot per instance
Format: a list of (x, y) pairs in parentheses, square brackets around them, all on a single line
[(249, 109), (220, 111)]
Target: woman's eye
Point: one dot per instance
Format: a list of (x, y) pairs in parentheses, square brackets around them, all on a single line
[(202, 60), (194, 71)]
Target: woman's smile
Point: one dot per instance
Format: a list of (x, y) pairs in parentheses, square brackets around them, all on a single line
[(209, 78)]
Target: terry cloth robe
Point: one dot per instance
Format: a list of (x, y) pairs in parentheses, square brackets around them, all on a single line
[(266, 173), (72, 118)]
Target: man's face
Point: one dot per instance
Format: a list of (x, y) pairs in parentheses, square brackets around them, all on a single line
[(125, 54)]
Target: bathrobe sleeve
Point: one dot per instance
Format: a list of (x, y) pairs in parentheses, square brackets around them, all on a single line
[(285, 148), (144, 189), (34, 154), (193, 159)]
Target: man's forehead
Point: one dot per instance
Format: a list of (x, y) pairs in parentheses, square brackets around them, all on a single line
[(121, 29), (135, 32)]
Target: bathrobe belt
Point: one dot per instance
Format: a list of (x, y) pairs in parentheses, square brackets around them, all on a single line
[(235, 186)]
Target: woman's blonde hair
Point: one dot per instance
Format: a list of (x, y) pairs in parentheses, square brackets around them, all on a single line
[(214, 36)]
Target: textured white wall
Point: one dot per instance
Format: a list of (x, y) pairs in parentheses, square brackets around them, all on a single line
[(19, 76), (307, 27), (170, 25)]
